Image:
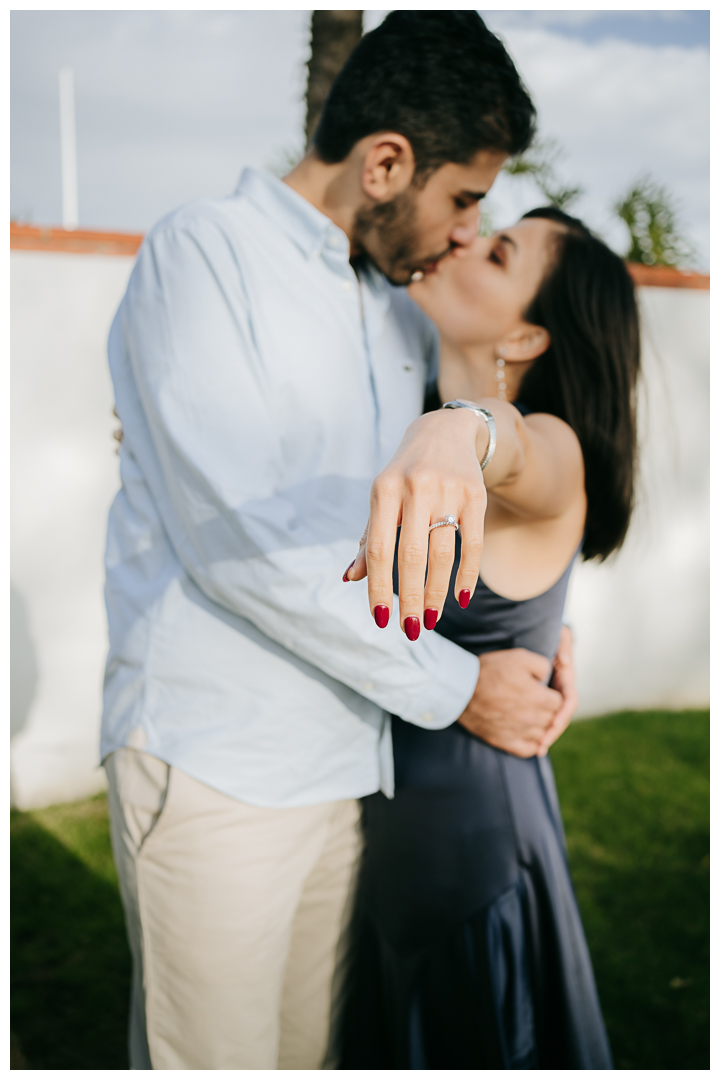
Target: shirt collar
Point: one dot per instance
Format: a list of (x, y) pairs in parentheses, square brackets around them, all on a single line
[(306, 226)]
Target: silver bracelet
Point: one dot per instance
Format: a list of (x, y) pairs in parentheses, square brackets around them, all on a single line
[(489, 419)]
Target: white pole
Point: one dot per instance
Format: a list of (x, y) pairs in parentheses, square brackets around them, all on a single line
[(68, 150)]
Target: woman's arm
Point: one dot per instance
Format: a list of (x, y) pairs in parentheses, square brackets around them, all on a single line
[(537, 469), (536, 473)]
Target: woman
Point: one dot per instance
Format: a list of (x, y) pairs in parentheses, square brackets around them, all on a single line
[(469, 950)]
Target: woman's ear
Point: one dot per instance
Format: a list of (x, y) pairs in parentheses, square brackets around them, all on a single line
[(526, 343), (388, 167)]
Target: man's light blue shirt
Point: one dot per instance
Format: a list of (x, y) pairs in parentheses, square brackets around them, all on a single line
[(261, 386)]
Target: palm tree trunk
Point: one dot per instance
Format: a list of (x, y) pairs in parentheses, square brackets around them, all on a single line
[(334, 36)]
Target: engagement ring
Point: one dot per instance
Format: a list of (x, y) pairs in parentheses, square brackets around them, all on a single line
[(448, 520)]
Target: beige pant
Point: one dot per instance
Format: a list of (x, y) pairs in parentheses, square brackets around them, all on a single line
[(236, 917)]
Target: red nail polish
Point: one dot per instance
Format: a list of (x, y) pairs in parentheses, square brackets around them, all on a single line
[(464, 597), (382, 615), (345, 575), (412, 628), (430, 618)]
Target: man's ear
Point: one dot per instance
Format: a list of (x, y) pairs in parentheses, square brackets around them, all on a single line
[(388, 166), (526, 343)]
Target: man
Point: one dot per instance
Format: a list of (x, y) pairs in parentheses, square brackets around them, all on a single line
[(261, 383)]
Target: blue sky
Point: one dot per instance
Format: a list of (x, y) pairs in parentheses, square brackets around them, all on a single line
[(682, 28), (171, 105)]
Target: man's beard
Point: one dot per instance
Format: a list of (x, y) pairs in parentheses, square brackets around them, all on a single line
[(392, 230)]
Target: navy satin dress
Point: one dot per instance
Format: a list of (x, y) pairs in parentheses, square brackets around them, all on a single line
[(469, 951)]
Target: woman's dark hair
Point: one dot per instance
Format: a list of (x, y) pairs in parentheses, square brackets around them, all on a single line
[(441, 79), (588, 375)]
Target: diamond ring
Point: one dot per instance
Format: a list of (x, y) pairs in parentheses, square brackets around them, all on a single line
[(447, 520)]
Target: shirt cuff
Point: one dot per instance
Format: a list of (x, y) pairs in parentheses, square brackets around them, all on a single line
[(451, 675)]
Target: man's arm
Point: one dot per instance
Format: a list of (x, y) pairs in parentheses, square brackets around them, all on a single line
[(511, 708), (199, 413)]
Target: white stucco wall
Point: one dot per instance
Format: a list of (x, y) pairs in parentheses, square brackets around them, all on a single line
[(641, 621), (64, 474)]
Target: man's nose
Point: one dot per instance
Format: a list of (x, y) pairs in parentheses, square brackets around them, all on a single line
[(466, 228)]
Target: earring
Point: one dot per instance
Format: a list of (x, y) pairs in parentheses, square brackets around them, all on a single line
[(500, 376)]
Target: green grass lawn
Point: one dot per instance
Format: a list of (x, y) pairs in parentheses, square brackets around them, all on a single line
[(635, 791)]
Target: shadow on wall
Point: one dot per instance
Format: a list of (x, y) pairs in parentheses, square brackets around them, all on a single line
[(24, 670), (23, 663)]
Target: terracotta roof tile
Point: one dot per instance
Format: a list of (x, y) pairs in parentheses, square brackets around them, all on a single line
[(95, 242)]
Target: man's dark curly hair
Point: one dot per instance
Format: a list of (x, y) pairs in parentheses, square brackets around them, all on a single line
[(441, 79)]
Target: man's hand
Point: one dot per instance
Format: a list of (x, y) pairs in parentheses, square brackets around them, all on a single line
[(563, 680), (512, 708)]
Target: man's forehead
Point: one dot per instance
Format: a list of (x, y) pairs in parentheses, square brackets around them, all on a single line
[(475, 175)]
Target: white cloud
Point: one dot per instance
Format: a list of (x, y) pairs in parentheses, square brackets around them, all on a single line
[(573, 20), (503, 20), (170, 106), (619, 110)]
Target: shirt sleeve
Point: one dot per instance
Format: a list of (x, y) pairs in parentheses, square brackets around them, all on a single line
[(195, 402)]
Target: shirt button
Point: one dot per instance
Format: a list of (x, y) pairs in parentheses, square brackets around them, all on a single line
[(368, 685), (347, 286), (428, 717)]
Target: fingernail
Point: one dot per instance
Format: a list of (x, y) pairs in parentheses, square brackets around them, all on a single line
[(382, 615), (345, 575), (464, 597), (412, 627), (430, 618)]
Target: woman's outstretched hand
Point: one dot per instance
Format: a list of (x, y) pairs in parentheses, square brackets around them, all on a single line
[(434, 473)]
